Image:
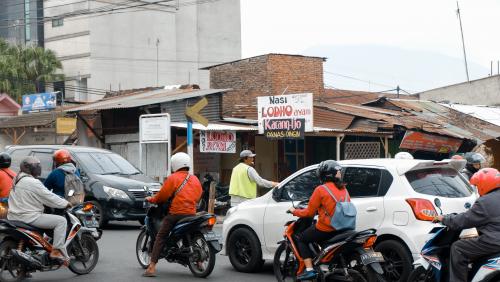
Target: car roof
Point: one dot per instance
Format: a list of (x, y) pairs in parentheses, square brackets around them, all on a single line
[(74, 149)]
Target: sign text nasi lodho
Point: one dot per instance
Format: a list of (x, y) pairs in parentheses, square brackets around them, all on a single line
[(218, 141)]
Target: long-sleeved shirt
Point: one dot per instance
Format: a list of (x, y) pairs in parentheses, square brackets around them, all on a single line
[(6, 178), (255, 177), (322, 203), (28, 198), (484, 215)]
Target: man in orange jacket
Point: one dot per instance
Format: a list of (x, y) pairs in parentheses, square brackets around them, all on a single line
[(185, 191), (6, 175)]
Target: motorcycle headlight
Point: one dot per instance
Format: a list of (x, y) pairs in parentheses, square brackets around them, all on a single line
[(115, 193)]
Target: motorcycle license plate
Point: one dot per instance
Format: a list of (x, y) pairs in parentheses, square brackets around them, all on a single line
[(371, 257), (212, 236)]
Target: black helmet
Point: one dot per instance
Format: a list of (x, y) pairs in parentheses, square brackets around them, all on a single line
[(473, 158), (327, 170), (31, 165), (5, 160)]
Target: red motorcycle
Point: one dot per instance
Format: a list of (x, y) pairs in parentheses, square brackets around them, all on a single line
[(347, 256)]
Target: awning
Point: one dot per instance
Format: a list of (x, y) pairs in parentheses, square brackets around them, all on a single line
[(216, 126)]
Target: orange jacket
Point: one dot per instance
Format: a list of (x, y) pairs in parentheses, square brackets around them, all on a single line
[(6, 178), (185, 201), (322, 203)]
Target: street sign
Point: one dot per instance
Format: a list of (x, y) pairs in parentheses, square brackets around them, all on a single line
[(193, 112), (155, 128), (65, 125)]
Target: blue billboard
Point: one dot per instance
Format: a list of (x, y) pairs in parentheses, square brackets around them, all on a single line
[(40, 102)]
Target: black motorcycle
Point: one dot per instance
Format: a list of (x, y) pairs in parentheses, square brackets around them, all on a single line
[(191, 242), (222, 198)]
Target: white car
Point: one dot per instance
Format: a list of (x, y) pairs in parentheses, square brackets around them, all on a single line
[(392, 196)]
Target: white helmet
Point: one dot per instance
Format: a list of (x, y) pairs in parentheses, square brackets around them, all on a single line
[(180, 160), (403, 156)]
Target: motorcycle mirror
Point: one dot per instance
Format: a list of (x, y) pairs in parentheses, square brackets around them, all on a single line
[(71, 193), (437, 202)]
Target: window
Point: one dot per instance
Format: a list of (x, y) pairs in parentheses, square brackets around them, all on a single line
[(294, 155), (46, 162), (301, 187), (444, 182), (17, 156), (58, 22), (362, 182), (106, 163)]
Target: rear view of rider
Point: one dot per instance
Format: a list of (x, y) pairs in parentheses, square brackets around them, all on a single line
[(483, 215), (324, 205), (6, 176), (474, 164), (27, 200), (64, 165), (184, 190)]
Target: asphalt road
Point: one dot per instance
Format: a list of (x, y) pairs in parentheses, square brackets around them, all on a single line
[(117, 262)]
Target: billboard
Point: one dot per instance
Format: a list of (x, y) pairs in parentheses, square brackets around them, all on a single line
[(218, 142), (40, 102), (285, 116), (428, 142)]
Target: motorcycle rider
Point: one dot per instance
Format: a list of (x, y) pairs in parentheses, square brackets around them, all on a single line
[(323, 204), (56, 179), (474, 163), (27, 200), (6, 176), (483, 215), (184, 191)]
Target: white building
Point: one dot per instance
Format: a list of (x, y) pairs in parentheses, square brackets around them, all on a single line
[(120, 44)]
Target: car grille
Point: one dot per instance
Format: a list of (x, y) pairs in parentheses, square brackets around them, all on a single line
[(140, 193)]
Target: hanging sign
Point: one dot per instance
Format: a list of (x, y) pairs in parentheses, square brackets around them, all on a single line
[(65, 125), (218, 142), (427, 142), (285, 116)]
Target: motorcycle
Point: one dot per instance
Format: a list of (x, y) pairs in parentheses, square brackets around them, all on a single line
[(222, 198), (25, 248), (433, 264), (347, 256), (191, 242)]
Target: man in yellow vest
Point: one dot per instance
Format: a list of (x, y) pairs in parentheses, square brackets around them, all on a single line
[(245, 179)]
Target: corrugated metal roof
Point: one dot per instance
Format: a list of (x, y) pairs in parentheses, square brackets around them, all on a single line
[(486, 113), (29, 120), (217, 126), (354, 97), (145, 98)]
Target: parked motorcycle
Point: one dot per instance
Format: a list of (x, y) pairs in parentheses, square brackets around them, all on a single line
[(25, 248), (433, 264), (191, 242), (222, 198), (345, 257)]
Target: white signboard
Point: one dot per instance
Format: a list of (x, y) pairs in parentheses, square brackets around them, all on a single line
[(285, 112), (218, 142), (154, 129)]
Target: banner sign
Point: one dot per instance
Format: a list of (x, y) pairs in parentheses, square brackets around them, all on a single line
[(218, 142), (40, 102), (154, 129), (428, 142), (285, 116), (65, 126)]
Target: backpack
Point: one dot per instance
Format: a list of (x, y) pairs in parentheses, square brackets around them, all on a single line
[(344, 217), (75, 184)]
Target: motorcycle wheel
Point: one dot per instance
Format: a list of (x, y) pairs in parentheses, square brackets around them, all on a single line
[(10, 269), (143, 255), (420, 274), (285, 264), (202, 261), (86, 256)]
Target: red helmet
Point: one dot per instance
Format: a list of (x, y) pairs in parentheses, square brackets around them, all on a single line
[(62, 156), (486, 180)]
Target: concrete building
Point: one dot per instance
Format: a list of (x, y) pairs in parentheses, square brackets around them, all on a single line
[(484, 91), (116, 44), (20, 21)]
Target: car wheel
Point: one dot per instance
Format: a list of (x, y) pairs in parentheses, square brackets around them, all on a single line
[(100, 214), (398, 261), (244, 251)]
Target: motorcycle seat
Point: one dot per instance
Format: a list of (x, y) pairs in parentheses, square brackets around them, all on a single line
[(20, 224), (340, 237), (187, 219)]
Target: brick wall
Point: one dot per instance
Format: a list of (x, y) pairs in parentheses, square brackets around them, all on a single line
[(267, 75)]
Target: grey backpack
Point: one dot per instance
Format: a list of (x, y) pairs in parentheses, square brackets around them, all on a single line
[(74, 190), (344, 217)]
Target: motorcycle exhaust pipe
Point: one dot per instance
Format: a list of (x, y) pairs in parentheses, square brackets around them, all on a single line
[(26, 259)]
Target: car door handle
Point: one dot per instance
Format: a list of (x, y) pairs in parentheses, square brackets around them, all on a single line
[(371, 209)]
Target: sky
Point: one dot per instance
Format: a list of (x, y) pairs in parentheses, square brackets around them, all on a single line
[(377, 44)]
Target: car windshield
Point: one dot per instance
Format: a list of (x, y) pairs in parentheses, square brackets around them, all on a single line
[(106, 163), (443, 182)]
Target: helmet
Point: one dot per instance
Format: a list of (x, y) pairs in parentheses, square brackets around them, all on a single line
[(403, 156), (31, 165), (472, 159), (327, 170), (486, 180), (457, 157), (180, 160), (5, 160), (62, 156)]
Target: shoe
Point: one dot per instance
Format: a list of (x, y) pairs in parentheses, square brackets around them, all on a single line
[(149, 274), (307, 275)]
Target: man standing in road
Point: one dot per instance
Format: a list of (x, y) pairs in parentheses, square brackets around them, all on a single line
[(245, 179)]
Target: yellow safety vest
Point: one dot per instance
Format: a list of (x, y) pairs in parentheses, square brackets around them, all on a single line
[(240, 184)]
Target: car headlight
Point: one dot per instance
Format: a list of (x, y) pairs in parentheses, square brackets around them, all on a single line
[(231, 211), (115, 193)]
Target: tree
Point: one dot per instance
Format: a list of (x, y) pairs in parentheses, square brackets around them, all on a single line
[(25, 70)]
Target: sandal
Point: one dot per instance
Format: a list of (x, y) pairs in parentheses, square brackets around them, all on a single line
[(149, 274)]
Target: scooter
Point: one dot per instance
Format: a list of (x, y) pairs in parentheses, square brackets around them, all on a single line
[(433, 264), (25, 248), (347, 256), (191, 242)]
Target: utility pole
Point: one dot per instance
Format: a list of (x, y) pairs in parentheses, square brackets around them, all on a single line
[(463, 42), (157, 65)]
